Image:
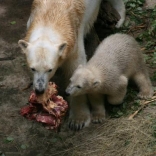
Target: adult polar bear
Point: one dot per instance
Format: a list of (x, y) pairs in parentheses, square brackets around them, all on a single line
[(54, 38)]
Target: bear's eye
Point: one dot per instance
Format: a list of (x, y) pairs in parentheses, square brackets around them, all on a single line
[(33, 69), (78, 86), (49, 70)]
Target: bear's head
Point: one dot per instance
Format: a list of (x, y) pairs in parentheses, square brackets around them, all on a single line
[(43, 58), (83, 81)]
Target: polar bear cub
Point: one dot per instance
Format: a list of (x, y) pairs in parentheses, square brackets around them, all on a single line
[(117, 59)]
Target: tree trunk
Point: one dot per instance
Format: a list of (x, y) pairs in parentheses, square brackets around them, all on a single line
[(103, 27)]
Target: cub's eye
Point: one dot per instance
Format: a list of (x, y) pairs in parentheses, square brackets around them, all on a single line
[(33, 69), (78, 86), (49, 70)]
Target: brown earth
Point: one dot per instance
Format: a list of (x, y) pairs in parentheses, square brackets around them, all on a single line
[(21, 137)]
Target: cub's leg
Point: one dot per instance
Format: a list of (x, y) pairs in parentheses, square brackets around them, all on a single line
[(144, 84), (119, 93), (98, 109)]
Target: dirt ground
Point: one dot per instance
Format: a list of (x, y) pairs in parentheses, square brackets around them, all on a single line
[(21, 137)]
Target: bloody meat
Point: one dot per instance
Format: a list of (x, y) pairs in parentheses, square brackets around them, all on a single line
[(48, 108)]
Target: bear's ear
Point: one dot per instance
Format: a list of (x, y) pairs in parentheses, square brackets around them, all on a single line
[(96, 83), (23, 44), (61, 48)]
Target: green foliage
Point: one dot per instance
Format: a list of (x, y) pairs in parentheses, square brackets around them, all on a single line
[(134, 3), (142, 22), (13, 22), (9, 139), (23, 146), (127, 142), (139, 16)]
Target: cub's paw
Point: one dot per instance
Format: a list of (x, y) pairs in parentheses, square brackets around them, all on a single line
[(146, 94), (98, 117), (77, 123)]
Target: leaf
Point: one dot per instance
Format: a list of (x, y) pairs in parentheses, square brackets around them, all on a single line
[(127, 142), (132, 5), (139, 8), (127, 23), (24, 146), (13, 22), (120, 113), (9, 139), (136, 102), (54, 140)]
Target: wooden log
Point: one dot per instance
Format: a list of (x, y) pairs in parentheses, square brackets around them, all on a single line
[(107, 19), (104, 26)]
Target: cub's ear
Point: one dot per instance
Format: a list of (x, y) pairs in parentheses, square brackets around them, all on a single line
[(61, 48), (23, 44), (96, 83)]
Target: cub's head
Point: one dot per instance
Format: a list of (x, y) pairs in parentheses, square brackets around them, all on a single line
[(83, 81), (43, 58)]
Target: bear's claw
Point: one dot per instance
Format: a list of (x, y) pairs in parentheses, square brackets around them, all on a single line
[(98, 118), (78, 124), (145, 94), (75, 126)]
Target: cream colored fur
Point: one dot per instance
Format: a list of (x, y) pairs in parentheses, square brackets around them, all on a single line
[(117, 59), (55, 38)]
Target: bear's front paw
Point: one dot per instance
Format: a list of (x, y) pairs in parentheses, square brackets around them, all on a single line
[(78, 123), (98, 117)]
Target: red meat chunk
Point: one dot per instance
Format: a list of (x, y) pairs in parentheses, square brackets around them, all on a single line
[(48, 108)]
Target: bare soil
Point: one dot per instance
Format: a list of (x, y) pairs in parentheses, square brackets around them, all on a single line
[(21, 137)]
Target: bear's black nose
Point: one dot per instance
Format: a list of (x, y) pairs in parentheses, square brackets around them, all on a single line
[(38, 92), (67, 94)]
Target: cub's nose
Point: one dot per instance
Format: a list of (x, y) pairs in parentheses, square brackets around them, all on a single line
[(39, 91)]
